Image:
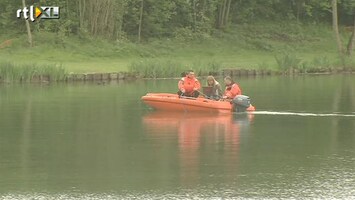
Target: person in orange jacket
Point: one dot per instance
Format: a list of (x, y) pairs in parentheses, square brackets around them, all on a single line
[(232, 89), (189, 85)]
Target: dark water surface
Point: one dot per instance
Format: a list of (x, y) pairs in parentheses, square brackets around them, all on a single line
[(89, 141)]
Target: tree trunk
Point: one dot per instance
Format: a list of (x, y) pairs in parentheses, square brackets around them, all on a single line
[(351, 42), (82, 8), (30, 41), (80, 14), (219, 18), (107, 13), (202, 13), (120, 6), (227, 13), (140, 21), (193, 15), (299, 6), (335, 27), (67, 7), (223, 13)]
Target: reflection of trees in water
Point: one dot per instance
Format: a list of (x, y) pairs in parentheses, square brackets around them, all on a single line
[(53, 132), (352, 94), (25, 139), (343, 101)]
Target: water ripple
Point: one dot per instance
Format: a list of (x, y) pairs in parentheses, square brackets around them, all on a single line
[(303, 114)]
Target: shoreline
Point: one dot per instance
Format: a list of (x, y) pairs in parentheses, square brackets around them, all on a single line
[(119, 76)]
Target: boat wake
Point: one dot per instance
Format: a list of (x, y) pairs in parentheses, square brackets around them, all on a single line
[(304, 114)]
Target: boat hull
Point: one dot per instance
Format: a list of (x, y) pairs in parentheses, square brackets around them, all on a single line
[(172, 102)]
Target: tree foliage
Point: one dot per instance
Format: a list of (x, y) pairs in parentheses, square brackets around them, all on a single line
[(116, 19)]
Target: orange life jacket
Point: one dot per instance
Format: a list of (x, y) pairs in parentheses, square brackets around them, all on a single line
[(188, 84), (232, 91)]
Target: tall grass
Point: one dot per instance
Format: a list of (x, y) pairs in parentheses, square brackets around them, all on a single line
[(287, 62), (166, 68), (54, 72), (11, 72), (318, 64), (321, 64)]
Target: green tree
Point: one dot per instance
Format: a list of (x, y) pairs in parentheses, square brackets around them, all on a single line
[(8, 21)]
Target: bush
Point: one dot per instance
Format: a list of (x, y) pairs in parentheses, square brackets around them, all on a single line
[(186, 34), (321, 62), (263, 66), (346, 62)]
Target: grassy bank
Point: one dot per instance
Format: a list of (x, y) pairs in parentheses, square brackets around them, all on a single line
[(277, 47)]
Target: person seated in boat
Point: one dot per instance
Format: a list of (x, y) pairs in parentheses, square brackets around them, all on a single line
[(215, 91), (183, 74), (232, 89), (189, 85)]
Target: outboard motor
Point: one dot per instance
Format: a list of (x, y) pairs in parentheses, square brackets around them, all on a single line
[(241, 103)]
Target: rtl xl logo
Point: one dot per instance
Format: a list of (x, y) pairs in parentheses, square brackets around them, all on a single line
[(43, 12)]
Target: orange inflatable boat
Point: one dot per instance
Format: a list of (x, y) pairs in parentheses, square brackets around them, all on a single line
[(173, 102)]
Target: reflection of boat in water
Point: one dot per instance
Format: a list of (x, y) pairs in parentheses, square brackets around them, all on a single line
[(173, 102), (201, 138), (162, 120)]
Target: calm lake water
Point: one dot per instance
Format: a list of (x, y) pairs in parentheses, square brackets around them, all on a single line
[(90, 141)]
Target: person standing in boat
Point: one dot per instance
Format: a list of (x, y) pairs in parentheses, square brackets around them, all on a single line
[(216, 92), (232, 89), (189, 85)]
